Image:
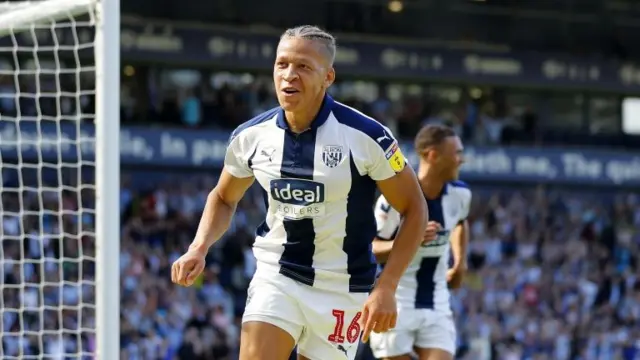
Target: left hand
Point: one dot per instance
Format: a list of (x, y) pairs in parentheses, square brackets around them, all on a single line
[(431, 232), (455, 276), (380, 312)]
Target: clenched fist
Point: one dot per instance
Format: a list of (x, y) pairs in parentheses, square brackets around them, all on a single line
[(455, 276), (188, 267), (431, 232)]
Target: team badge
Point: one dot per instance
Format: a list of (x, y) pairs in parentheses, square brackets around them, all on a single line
[(332, 155)]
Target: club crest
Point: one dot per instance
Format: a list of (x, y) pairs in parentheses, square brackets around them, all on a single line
[(332, 155)]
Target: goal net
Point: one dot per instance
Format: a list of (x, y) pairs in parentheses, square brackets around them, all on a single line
[(52, 115)]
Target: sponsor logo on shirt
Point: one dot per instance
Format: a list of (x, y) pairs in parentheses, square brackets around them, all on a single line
[(297, 198)]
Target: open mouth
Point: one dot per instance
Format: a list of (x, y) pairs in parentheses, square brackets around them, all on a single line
[(290, 90)]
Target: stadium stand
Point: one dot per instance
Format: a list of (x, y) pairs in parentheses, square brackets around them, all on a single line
[(554, 268)]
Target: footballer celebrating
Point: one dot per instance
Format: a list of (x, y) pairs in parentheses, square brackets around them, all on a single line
[(425, 325), (319, 163)]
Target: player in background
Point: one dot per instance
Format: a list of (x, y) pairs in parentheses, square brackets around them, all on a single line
[(319, 163), (425, 325)]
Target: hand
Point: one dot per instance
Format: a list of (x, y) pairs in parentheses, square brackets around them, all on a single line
[(380, 312), (188, 267), (455, 275), (431, 232)]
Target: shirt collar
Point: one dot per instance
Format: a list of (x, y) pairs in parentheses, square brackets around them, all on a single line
[(321, 117)]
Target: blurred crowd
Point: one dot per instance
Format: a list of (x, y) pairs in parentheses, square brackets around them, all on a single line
[(553, 275), (186, 100), (481, 115), (160, 320), (199, 99), (48, 271)]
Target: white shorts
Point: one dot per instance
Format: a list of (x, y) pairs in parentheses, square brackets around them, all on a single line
[(324, 324), (421, 328)]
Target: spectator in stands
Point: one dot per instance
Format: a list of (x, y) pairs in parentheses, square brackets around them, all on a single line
[(190, 108)]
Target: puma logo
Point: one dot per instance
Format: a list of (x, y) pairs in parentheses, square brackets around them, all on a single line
[(385, 207), (383, 137), (268, 153), (342, 348)]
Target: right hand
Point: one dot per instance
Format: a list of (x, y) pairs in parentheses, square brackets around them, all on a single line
[(188, 267), (380, 312), (431, 232)]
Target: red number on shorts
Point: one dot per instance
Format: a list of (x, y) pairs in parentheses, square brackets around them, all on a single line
[(337, 337), (353, 331)]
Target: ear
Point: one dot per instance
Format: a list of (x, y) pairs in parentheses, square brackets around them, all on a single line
[(430, 154), (330, 78)]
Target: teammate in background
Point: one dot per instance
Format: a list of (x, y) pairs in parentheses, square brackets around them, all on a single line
[(425, 323), (319, 163)]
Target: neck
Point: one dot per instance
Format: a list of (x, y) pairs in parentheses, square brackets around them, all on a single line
[(430, 182), (301, 120)]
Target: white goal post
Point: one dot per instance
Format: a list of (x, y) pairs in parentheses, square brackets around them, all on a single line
[(60, 179)]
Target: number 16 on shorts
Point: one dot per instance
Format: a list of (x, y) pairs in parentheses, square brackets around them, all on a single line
[(352, 331)]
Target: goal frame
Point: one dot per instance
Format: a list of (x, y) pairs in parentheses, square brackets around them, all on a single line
[(107, 136), (107, 150)]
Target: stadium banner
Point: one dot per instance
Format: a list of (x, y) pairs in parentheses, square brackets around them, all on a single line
[(205, 150), (249, 50), (244, 50), (256, 51)]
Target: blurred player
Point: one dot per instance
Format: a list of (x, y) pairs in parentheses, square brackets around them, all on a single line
[(425, 324), (319, 163)]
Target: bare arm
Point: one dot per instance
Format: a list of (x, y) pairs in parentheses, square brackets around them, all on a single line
[(382, 249), (459, 240), (404, 194), (219, 209)]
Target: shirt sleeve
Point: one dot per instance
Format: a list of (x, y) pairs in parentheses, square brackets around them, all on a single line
[(387, 219), (236, 160), (385, 155)]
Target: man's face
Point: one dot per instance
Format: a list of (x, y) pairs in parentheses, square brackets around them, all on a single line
[(301, 73), (447, 157)]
